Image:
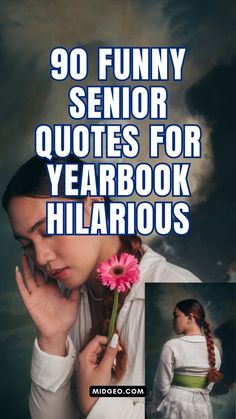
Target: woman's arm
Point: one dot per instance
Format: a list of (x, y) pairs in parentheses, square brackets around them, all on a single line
[(50, 395), (52, 362), (165, 372), (163, 378), (52, 313)]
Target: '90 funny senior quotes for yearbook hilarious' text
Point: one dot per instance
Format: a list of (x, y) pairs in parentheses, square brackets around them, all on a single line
[(113, 140)]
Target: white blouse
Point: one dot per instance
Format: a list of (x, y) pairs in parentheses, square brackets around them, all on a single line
[(186, 355), (51, 375)]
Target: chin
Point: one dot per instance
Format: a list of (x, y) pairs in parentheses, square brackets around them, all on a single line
[(71, 285)]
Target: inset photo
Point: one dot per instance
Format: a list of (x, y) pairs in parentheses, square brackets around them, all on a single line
[(190, 350)]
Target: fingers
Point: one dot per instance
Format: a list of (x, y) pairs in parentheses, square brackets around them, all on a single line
[(30, 282), (94, 347), (96, 343), (21, 286), (110, 353), (39, 277)]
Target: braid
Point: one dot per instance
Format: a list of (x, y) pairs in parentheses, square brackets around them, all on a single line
[(193, 306), (213, 375)]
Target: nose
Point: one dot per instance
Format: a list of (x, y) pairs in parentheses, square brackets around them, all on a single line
[(43, 254)]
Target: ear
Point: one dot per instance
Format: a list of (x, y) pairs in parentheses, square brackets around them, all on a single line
[(88, 202), (190, 317)]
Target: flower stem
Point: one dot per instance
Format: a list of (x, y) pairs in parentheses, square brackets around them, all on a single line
[(113, 315)]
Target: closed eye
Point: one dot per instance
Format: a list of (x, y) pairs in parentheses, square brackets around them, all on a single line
[(26, 246), (24, 243), (47, 235), (42, 231)]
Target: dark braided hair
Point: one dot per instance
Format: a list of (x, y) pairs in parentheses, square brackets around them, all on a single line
[(213, 375), (197, 310)]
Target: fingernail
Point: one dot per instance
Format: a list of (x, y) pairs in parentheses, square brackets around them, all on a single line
[(120, 348), (17, 268), (114, 341)]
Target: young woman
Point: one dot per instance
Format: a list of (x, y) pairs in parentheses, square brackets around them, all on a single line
[(188, 367), (73, 324)]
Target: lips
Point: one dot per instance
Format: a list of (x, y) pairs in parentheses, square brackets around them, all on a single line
[(59, 274)]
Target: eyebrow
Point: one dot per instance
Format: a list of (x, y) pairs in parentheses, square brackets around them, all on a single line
[(31, 229)]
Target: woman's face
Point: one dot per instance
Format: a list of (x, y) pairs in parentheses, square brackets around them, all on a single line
[(180, 322), (69, 259)]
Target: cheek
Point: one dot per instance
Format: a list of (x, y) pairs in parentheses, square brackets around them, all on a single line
[(179, 323), (69, 245), (86, 247), (82, 253), (183, 324), (77, 249), (175, 324)]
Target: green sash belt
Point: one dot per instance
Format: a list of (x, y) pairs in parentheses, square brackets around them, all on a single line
[(191, 381)]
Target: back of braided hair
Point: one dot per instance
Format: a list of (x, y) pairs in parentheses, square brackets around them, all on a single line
[(197, 310), (213, 375)]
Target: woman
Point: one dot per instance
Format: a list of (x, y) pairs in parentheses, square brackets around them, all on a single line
[(188, 367), (66, 324)]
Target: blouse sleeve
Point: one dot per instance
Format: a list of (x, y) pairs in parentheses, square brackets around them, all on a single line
[(163, 379), (50, 395)]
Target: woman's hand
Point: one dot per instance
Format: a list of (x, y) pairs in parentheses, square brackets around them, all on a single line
[(90, 373), (52, 313)]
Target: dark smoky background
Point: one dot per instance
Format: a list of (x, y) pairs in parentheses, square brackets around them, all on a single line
[(29, 29), (218, 301)]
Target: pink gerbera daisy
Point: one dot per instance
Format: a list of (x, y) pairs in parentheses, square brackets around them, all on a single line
[(119, 272)]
